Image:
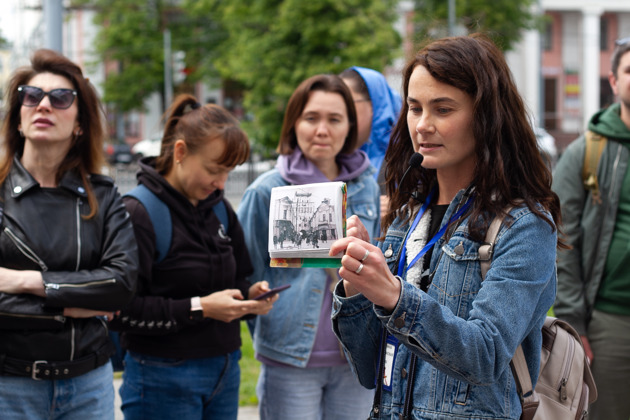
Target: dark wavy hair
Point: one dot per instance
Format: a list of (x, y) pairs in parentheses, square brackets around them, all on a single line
[(197, 125), (86, 151), (620, 51), (299, 99), (509, 166)]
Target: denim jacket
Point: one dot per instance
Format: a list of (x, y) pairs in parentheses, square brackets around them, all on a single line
[(287, 333), (463, 331)]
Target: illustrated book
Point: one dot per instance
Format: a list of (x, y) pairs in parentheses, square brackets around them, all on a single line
[(304, 221)]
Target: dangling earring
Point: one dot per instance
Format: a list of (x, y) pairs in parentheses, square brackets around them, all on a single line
[(21, 133), (78, 132)]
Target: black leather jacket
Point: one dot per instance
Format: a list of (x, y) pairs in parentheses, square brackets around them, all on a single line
[(84, 263)]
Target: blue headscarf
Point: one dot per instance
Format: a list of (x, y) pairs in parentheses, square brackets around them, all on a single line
[(386, 104)]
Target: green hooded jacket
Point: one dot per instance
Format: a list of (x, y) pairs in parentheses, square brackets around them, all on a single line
[(589, 226)]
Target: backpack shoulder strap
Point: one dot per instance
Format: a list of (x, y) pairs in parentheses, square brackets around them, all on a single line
[(595, 144), (524, 387), (487, 248), (518, 364), (221, 212), (160, 216)]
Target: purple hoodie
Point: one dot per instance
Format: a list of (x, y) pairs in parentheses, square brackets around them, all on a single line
[(297, 169)]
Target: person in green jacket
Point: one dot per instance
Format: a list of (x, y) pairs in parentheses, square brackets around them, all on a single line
[(594, 277)]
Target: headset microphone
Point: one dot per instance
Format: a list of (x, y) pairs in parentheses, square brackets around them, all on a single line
[(414, 162)]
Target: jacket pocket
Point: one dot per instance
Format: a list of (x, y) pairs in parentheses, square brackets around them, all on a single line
[(457, 278), (21, 321), (22, 257)]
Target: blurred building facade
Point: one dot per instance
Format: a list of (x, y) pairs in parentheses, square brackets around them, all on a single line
[(562, 72)]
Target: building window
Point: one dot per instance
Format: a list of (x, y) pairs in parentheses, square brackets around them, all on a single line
[(603, 34), (547, 38), (551, 107)]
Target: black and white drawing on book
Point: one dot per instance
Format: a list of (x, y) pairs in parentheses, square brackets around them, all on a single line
[(305, 219)]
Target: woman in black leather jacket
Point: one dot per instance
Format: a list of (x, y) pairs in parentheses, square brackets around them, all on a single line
[(68, 256)]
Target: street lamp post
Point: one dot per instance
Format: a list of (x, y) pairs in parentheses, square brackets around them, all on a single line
[(168, 76), (53, 12), (451, 17)]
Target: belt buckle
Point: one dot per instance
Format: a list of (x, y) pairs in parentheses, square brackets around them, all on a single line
[(35, 370)]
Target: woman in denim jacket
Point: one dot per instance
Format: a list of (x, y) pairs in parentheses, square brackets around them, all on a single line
[(447, 338), (304, 374)]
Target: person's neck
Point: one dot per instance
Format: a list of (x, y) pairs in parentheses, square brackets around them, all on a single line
[(330, 169), (450, 185), (42, 163)]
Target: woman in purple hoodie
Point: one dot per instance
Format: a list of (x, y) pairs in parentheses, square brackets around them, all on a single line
[(304, 373)]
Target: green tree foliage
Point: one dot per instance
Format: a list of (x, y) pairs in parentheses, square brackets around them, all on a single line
[(4, 43), (131, 40), (265, 47), (502, 20), (272, 45)]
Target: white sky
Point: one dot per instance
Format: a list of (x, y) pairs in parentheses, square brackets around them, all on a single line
[(7, 18), (17, 22)]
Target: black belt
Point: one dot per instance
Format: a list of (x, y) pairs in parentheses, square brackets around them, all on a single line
[(43, 369)]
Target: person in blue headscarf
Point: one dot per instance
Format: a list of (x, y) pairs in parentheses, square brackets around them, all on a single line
[(378, 106)]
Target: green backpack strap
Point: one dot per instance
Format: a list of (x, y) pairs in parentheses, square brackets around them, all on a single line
[(595, 144)]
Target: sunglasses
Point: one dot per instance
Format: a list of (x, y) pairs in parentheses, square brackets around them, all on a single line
[(622, 41), (59, 98)]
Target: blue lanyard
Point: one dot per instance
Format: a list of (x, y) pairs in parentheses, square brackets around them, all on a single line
[(432, 241)]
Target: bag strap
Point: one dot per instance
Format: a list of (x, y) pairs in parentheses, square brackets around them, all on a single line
[(221, 212), (159, 214), (518, 363), (595, 144), (487, 248)]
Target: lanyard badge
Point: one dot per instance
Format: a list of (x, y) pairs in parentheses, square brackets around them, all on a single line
[(392, 343), (391, 350)]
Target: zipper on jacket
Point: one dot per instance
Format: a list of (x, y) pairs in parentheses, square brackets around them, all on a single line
[(57, 286), (78, 220), (614, 173), (25, 249), (566, 369), (59, 318), (72, 339)]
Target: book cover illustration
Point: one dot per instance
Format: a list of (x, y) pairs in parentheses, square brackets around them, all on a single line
[(304, 221)]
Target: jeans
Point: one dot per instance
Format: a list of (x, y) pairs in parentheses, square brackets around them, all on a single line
[(89, 396), (160, 388), (325, 393), (609, 336)]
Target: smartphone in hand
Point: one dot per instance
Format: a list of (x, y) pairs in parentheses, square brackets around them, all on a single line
[(272, 292)]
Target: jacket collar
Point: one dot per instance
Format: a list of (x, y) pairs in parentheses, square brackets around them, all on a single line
[(20, 181)]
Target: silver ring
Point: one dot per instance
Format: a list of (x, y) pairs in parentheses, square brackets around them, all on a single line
[(358, 270), (365, 256)]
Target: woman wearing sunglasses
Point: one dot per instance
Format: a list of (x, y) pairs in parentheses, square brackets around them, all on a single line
[(68, 254)]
